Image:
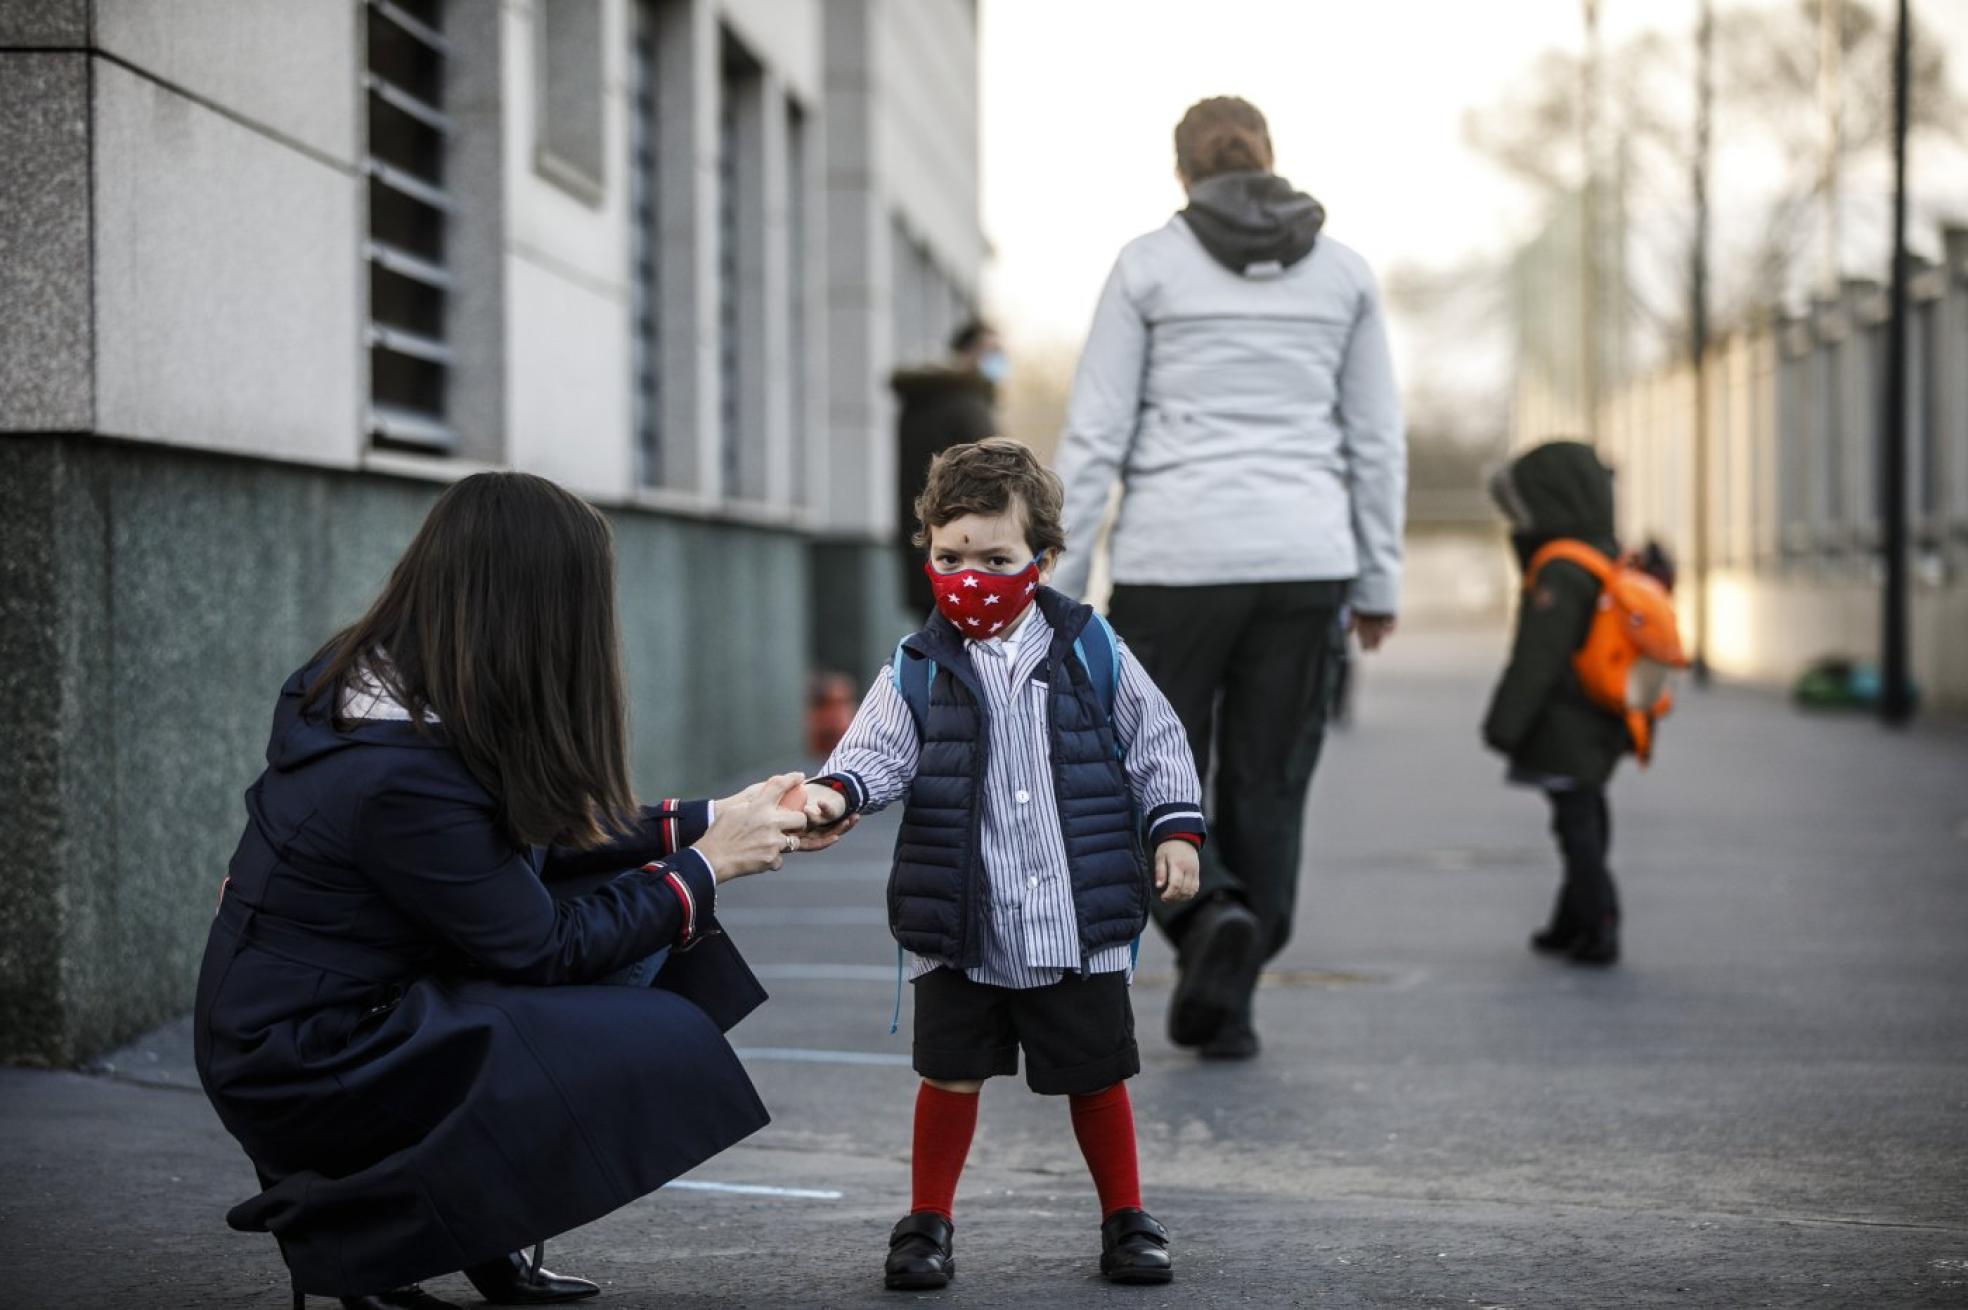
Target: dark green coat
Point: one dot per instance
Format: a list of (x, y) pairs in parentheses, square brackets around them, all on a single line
[(1539, 715)]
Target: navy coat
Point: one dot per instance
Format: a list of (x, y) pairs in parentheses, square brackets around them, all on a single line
[(392, 1017)]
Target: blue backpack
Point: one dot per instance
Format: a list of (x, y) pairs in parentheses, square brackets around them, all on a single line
[(1098, 650)]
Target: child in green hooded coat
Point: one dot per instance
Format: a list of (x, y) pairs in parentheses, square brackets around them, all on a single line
[(1539, 717)]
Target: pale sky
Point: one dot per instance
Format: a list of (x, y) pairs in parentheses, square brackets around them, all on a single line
[(1365, 100)]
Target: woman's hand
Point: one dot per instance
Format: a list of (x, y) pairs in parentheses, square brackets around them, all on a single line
[(757, 828)]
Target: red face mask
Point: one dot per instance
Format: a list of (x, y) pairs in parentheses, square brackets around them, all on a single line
[(982, 605)]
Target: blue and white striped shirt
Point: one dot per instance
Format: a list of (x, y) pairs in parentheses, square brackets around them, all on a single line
[(1032, 935)]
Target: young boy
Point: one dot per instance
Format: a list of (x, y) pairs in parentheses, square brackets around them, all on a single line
[(1556, 739), (1036, 756)]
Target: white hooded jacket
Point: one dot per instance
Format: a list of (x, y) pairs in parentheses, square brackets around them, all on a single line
[(1252, 415)]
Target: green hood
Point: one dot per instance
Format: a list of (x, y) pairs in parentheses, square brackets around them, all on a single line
[(1558, 489)]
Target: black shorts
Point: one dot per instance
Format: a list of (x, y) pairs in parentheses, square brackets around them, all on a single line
[(1078, 1033)]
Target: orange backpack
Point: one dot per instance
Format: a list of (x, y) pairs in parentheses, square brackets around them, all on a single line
[(1633, 641)]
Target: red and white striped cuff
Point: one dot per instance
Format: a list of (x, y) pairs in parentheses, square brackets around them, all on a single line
[(672, 830), (697, 908)]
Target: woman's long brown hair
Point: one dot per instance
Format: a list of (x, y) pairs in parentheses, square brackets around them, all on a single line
[(500, 620)]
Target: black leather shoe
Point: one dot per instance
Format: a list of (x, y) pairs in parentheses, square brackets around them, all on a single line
[(516, 1280), (1134, 1249), (412, 1297), (1216, 952), (921, 1253), (1235, 1040)]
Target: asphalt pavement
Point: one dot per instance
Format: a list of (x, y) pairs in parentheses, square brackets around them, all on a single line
[(1766, 1104)]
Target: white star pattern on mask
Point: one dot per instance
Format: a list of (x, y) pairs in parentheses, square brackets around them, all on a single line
[(970, 582), (1031, 587), (990, 600), (973, 622), (996, 626)]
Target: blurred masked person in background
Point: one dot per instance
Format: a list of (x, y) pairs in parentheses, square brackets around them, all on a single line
[(941, 405), (1237, 382)]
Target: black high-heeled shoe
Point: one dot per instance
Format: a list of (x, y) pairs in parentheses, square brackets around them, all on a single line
[(516, 1280), (412, 1297)]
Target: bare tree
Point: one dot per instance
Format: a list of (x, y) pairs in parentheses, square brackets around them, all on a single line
[(1766, 83)]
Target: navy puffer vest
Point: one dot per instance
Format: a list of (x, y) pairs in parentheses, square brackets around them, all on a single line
[(938, 892)]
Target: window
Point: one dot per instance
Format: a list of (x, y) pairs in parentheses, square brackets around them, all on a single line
[(568, 106), (1870, 499), (1924, 413), (646, 263), (798, 262), (743, 358), (1826, 360), (409, 209), (1795, 419), (727, 286), (920, 301)]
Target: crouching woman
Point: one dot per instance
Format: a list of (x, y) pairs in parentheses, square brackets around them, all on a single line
[(396, 1014)]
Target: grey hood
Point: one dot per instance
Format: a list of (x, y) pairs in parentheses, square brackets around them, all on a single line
[(1253, 223)]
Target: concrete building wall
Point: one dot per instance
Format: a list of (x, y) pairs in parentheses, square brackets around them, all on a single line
[(201, 481), (902, 171), (47, 380), (224, 266)]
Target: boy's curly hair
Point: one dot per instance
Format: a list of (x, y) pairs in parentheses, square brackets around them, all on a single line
[(987, 477)]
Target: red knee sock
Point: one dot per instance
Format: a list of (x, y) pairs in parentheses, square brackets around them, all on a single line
[(945, 1122), (1104, 1123)]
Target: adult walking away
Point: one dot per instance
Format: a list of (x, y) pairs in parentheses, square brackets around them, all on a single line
[(1237, 381), (393, 1015), (942, 405)]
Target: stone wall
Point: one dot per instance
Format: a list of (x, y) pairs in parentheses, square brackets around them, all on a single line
[(151, 603)]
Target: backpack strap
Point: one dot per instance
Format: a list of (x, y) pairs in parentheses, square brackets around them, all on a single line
[(1572, 552), (1100, 655), (913, 678)]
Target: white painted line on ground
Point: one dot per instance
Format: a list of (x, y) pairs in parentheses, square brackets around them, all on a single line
[(882, 973), (752, 1189), (795, 918), (803, 1055)]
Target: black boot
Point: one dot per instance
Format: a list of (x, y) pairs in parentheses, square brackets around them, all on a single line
[(1598, 947), (1134, 1249), (1557, 937), (921, 1253), (1217, 947), (1237, 1038), (516, 1280)]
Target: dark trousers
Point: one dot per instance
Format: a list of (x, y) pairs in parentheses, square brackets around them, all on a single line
[(1249, 668), (1583, 825)]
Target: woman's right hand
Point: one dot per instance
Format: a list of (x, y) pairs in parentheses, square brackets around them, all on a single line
[(750, 831)]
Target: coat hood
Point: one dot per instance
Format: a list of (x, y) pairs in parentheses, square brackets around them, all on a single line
[(1558, 489), (302, 736), (933, 381), (1253, 224)]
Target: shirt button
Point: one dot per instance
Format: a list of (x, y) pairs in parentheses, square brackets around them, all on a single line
[(1023, 796), (1031, 882)]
